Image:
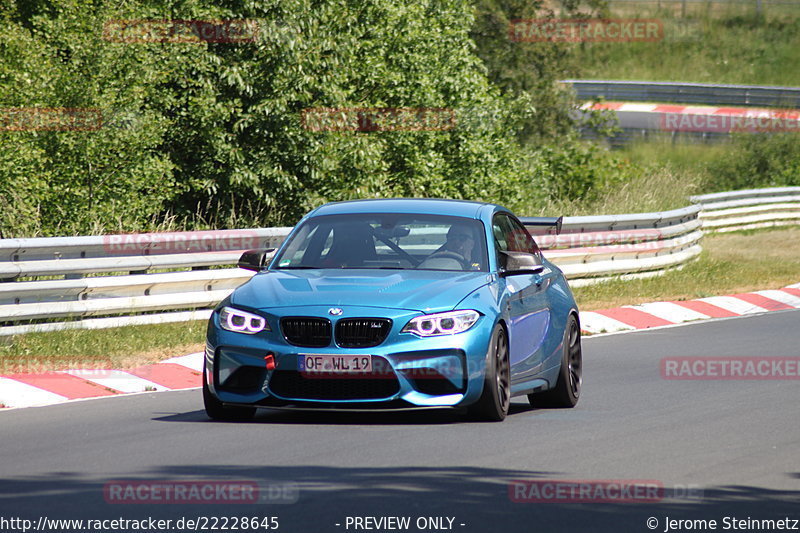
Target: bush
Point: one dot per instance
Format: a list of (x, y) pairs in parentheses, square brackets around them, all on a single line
[(757, 161), (577, 170)]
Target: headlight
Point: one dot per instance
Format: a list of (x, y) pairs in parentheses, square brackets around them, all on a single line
[(447, 323), (242, 321)]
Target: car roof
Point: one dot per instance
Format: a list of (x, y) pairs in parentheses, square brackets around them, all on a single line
[(462, 208)]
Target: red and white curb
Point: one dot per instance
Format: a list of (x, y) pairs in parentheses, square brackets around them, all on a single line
[(700, 118), (28, 390), (656, 314), (178, 373)]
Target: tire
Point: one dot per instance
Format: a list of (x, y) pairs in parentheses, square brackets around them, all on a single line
[(567, 391), (217, 411), (496, 396)]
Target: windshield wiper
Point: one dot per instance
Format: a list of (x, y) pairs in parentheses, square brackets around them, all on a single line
[(379, 268)]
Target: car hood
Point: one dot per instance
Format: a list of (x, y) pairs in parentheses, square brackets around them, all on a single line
[(418, 290)]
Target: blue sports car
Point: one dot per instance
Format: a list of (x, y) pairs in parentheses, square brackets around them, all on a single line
[(397, 304)]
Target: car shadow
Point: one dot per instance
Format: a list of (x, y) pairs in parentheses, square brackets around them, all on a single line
[(416, 418)]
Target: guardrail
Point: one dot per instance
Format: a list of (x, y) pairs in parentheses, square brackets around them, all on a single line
[(590, 249), (754, 208), (686, 93), (155, 273), (117, 280)]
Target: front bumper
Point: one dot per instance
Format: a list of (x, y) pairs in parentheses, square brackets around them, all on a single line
[(408, 371)]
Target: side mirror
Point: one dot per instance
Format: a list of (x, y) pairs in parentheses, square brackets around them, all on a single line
[(520, 263), (255, 260)]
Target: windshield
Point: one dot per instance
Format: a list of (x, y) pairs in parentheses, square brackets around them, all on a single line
[(389, 241)]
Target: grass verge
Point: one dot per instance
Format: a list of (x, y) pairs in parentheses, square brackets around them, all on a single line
[(730, 263), (711, 46), (118, 348), (660, 187)]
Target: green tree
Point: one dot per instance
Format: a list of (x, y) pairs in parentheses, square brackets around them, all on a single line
[(211, 132), (528, 72), (106, 172)]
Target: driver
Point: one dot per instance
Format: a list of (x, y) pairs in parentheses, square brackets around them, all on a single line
[(460, 241)]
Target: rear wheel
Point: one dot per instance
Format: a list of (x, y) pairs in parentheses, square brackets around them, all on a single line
[(568, 387), (217, 411), (496, 397)]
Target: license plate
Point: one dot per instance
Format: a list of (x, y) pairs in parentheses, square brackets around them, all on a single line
[(335, 364)]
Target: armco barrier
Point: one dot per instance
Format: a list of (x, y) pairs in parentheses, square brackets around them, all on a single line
[(592, 247), (116, 280), (686, 93), (170, 276), (754, 208)]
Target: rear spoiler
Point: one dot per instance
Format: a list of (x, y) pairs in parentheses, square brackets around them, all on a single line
[(547, 222)]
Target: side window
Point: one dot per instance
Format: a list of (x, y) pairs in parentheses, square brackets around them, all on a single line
[(522, 240), (511, 236), (500, 231)]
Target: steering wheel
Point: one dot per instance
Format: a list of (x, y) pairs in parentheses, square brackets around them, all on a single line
[(447, 254)]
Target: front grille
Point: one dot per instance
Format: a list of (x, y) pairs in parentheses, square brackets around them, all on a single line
[(310, 332), (362, 332), (294, 385)]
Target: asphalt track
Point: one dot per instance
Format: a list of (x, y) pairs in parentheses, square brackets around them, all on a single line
[(733, 445)]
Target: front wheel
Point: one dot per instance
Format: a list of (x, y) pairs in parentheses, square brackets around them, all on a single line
[(217, 411), (568, 387), (496, 397)]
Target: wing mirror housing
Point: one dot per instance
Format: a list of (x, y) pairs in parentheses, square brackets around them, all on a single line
[(520, 263), (255, 260)]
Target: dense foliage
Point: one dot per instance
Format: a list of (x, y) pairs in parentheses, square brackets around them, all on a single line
[(210, 133), (758, 161)]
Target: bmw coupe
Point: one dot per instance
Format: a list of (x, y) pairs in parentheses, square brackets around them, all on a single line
[(397, 304)]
